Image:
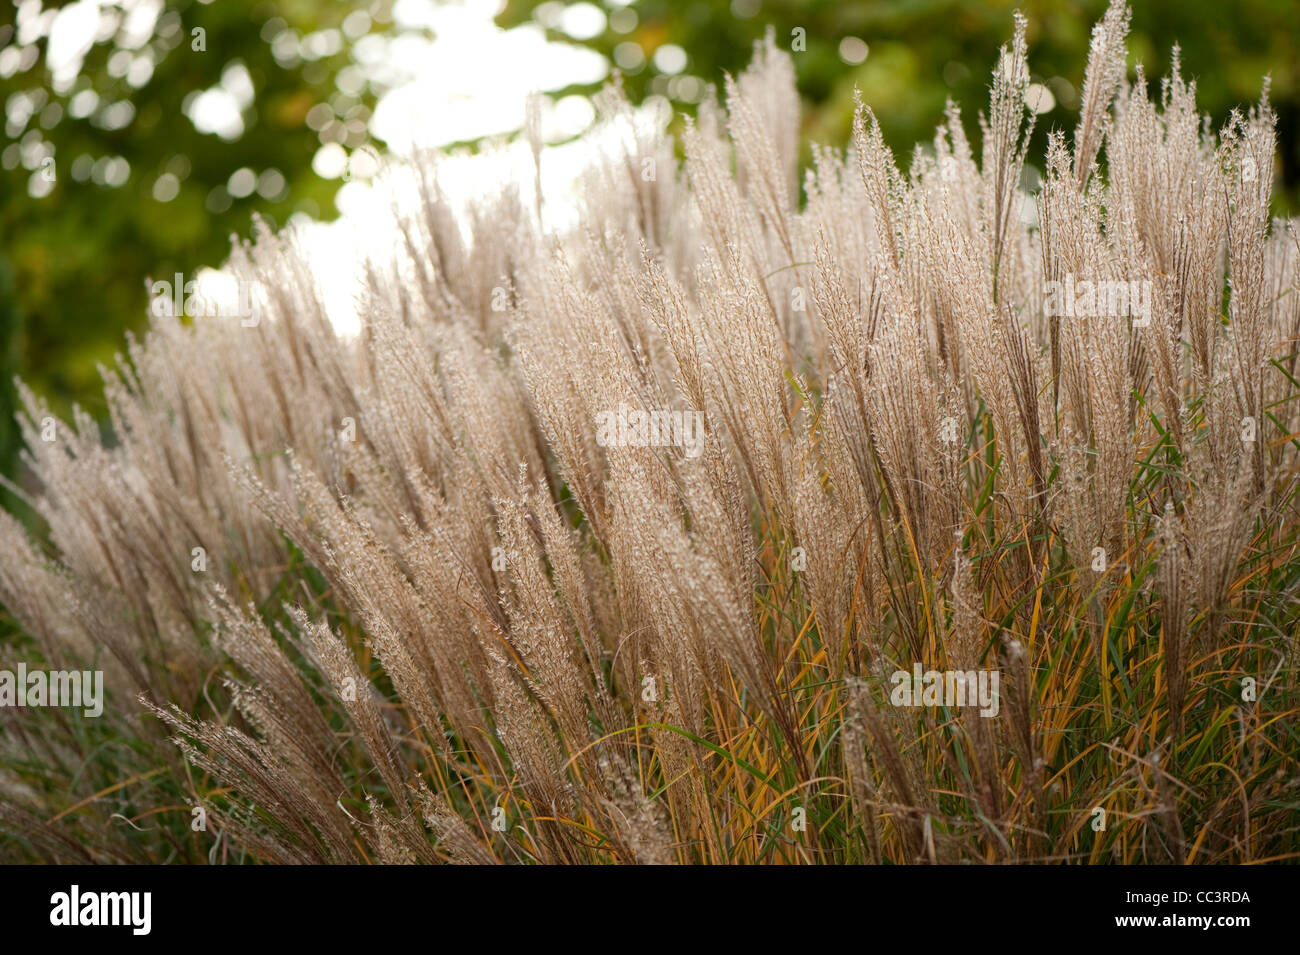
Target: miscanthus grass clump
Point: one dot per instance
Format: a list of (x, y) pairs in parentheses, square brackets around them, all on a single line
[(864, 513)]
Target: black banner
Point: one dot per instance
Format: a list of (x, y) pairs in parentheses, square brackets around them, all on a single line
[(133, 905)]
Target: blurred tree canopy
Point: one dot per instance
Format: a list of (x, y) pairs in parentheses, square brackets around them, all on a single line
[(182, 120), (909, 57)]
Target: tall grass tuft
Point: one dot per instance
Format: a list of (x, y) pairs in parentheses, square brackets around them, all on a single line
[(450, 609)]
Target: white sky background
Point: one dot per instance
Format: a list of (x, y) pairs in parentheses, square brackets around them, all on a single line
[(446, 74), (471, 80)]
